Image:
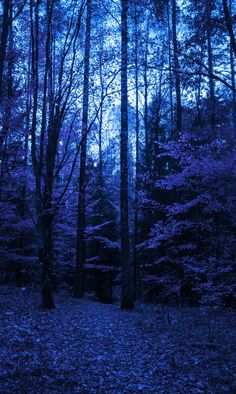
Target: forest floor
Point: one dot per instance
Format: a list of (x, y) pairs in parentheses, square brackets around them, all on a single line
[(87, 347)]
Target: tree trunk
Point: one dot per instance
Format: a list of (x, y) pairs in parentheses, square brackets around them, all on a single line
[(210, 66), (229, 26), (8, 95), (4, 37), (136, 271), (127, 291), (176, 71), (50, 159), (46, 257), (170, 67), (43, 197), (81, 220), (234, 86), (146, 129), (232, 66), (101, 116)]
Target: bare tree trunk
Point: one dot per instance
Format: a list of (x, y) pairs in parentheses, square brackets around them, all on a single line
[(46, 221), (8, 95), (43, 197), (234, 86), (147, 155), (44, 149), (232, 66), (81, 220), (101, 118), (136, 270), (127, 291), (4, 37), (210, 66), (229, 26), (176, 70), (170, 67)]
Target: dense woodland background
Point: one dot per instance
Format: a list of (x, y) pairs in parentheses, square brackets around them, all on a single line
[(117, 148)]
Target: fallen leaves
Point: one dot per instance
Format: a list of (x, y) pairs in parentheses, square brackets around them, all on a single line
[(87, 347)]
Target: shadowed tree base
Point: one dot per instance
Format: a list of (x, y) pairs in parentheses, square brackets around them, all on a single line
[(47, 297), (127, 304), (79, 286), (127, 307), (78, 293)]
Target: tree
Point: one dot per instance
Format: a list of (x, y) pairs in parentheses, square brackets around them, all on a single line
[(81, 221), (4, 38), (176, 69), (127, 291), (54, 107)]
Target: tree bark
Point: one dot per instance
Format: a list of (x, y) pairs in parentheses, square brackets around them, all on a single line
[(81, 219), (4, 37), (229, 26), (51, 148), (8, 95), (210, 66), (232, 66), (147, 155), (127, 291), (176, 70), (136, 270), (170, 67), (43, 197)]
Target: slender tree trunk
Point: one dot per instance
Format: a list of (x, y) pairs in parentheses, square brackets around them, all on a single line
[(46, 222), (234, 86), (4, 37), (176, 70), (34, 24), (136, 271), (127, 291), (25, 165), (170, 67), (81, 220), (8, 96), (229, 26), (232, 66), (101, 119), (198, 99), (147, 155), (43, 197), (198, 93), (210, 66)]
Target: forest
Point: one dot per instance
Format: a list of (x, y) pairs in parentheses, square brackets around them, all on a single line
[(118, 196)]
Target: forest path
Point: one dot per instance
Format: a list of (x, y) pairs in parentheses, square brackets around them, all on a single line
[(87, 347)]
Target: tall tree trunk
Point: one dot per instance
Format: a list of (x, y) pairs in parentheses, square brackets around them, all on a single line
[(199, 91), (81, 220), (229, 26), (210, 66), (233, 86), (4, 37), (176, 70), (136, 270), (25, 165), (101, 117), (43, 197), (8, 96), (127, 291), (146, 129), (34, 27), (46, 221), (232, 66), (170, 66)]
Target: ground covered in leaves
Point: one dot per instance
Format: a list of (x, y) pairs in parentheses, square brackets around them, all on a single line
[(86, 347)]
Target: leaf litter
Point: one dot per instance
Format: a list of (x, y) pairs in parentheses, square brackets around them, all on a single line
[(87, 347)]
